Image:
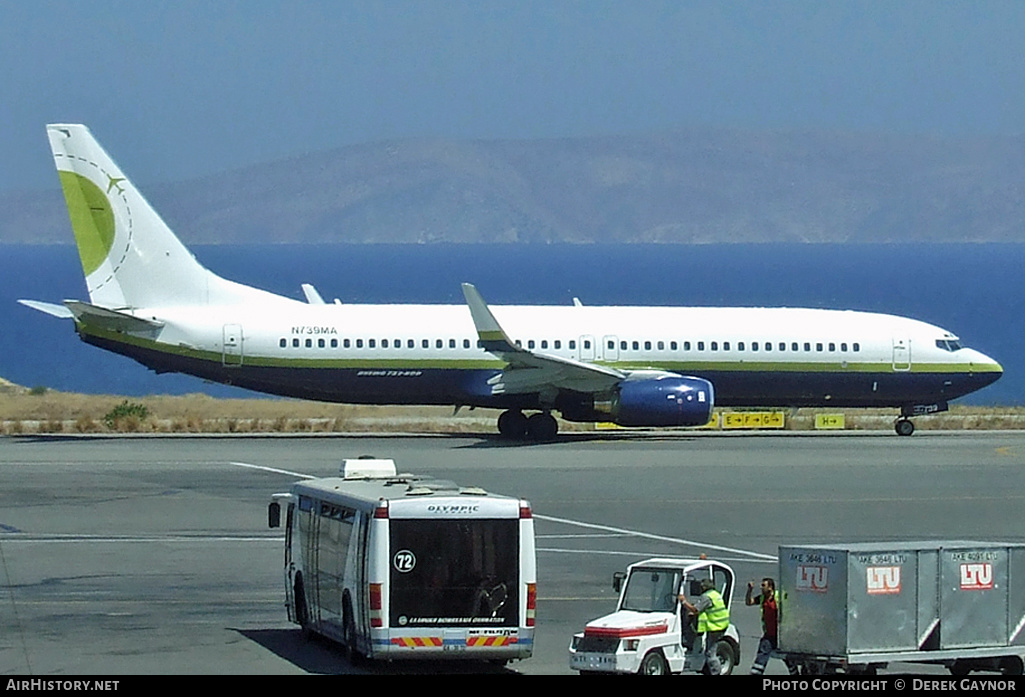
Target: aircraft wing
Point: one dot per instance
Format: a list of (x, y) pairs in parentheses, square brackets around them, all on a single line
[(528, 371)]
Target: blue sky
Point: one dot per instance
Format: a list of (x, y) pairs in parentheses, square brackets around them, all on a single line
[(176, 89)]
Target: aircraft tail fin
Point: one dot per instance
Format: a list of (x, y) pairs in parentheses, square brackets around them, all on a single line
[(130, 257)]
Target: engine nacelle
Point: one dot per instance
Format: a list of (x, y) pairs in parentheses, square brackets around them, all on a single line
[(664, 400)]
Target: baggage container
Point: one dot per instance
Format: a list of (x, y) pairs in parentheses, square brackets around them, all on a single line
[(859, 606)]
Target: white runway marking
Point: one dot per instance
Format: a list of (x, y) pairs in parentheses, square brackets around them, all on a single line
[(119, 539), (272, 469), (611, 531), (641, 555), (660, 538)]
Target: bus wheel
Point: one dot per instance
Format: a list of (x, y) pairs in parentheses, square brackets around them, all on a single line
[(302, 615), (653, 663), (349, 635)]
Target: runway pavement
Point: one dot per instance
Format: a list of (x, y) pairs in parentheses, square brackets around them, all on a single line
[(124, 556)]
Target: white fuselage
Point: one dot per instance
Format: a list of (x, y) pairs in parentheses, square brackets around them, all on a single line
[(397, 353)]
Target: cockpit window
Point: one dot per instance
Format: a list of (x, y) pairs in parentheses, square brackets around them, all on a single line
[(949, 344)]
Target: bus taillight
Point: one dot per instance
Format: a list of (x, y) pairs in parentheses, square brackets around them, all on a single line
[(531, 603), (376, 618), (525, 511), (382, 509)]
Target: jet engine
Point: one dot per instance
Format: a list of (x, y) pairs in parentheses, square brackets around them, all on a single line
[(667, 400), (647, 398)]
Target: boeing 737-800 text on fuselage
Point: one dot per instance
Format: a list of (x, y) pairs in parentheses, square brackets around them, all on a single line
[(150, 299)]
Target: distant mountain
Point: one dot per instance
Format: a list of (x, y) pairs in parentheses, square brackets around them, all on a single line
[(706, 186)]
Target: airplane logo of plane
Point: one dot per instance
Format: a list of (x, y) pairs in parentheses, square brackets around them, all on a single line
[(115, 182)]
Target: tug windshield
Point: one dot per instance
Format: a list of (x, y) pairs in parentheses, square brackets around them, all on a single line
[(652, 590)]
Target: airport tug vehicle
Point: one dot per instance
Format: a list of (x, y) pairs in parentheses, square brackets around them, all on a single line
[(648, 634)]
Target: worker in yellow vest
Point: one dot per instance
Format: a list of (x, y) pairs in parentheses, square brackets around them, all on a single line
[(713, 619)]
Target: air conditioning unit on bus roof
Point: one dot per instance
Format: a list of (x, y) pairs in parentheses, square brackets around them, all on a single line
[(367, 468)]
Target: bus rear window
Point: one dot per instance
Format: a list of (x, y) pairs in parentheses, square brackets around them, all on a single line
[(454, 573)]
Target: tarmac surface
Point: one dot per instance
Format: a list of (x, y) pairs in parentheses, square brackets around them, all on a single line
[(151, 555)]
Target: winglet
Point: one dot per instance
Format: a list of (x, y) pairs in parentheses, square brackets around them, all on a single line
[(312, 296), (492, 337)]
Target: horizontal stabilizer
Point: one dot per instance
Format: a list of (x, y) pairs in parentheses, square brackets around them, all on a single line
[(97, 316), (48, 308)]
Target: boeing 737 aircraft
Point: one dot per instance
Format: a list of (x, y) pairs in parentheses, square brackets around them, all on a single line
[(150, 299)]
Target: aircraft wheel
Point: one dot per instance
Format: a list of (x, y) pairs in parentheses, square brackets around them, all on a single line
[(512, 424), (904, 427), (542, 427)]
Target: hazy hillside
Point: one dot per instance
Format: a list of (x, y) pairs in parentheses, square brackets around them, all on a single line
[(687, 187)]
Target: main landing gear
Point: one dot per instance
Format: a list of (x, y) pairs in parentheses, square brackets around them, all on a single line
[(513, 424), (904, 427)]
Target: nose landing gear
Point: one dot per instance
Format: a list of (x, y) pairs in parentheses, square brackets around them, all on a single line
[(903, 425)]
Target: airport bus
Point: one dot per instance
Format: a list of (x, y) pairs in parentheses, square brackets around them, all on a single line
[(396, 566)]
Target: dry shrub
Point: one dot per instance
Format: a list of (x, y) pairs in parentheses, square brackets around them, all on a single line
[(84, 424), (55, 412)]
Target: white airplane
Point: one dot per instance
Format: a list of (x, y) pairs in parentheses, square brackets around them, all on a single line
[(150, 299)]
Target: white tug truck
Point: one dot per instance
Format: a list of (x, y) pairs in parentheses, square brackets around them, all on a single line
[(648, 634)]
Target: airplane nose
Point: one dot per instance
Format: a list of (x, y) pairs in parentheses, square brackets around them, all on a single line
[(985, 367)]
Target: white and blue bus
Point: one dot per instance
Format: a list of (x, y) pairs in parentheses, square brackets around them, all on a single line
[(396, 566)]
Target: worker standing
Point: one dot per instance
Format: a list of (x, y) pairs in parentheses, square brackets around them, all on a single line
[(713, 619), (769, 602)]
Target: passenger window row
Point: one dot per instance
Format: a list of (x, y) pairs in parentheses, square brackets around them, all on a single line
[(556, 344), (764, 346), (373, 343)]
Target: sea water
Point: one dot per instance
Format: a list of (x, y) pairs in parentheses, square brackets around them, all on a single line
[(972, 290)]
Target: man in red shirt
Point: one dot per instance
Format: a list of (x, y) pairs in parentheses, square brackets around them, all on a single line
[(768, 600)]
